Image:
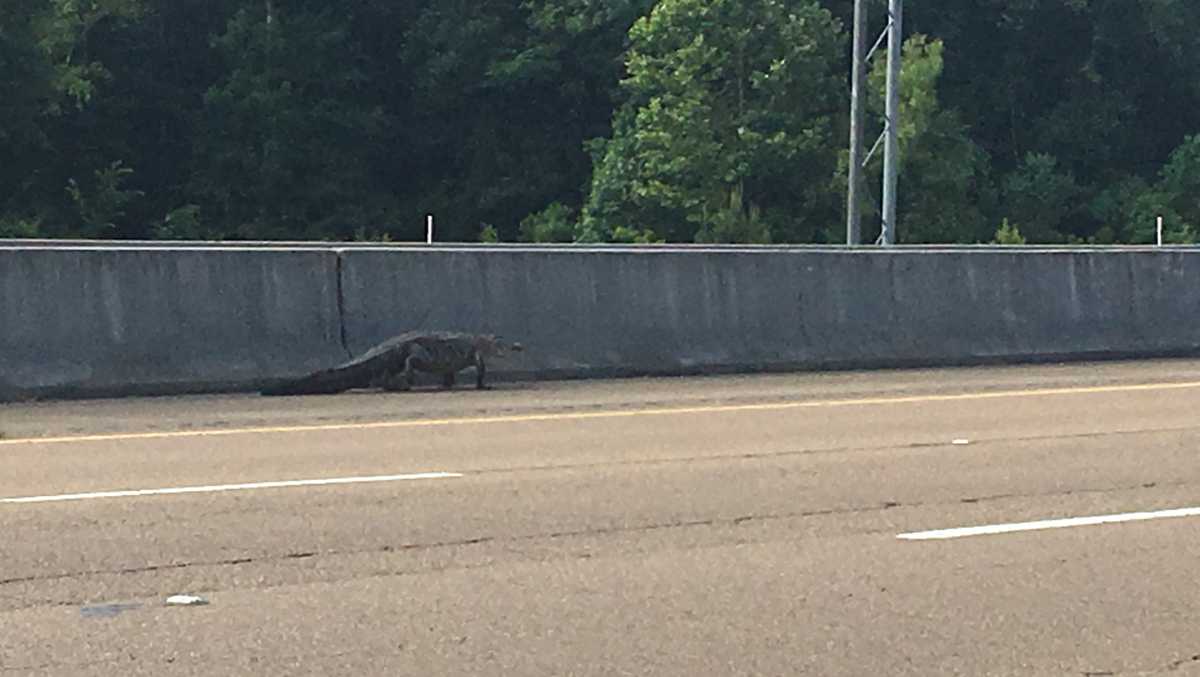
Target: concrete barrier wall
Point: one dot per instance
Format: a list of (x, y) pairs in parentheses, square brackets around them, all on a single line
[(102, 320), (672, 311), (80, 322)]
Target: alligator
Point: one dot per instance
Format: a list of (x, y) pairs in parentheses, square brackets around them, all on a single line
[(392, 365)]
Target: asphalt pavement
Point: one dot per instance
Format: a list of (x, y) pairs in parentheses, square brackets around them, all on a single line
[(1034, 520)]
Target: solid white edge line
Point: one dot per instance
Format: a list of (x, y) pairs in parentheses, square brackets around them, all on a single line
[(963, 532), (231, 487)]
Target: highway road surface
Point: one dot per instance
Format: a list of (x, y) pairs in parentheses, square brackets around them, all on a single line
[(1035, 520)]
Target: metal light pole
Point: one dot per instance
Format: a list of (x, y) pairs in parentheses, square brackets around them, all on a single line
[(890, 138), (857, 105), (891, 146)]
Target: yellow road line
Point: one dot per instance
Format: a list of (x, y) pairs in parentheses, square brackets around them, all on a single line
[(601, 414)]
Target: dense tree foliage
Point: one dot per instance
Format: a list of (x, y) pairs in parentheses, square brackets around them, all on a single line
[(1046, 121)]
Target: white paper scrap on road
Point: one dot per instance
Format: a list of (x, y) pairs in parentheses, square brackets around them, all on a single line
[(993, 529), (186, 600), (961, 442)]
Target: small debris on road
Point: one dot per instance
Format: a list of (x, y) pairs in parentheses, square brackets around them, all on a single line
[(961, 442), (106, 610), (186, 600)]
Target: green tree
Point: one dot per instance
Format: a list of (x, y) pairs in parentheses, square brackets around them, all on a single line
[(66, 28), (102, 203), (727, 134), (1107, 88), (945, 182), (113, 81), (283, 148), (1042, 198), (712, 121), (501, 96), (1173, 197), (25, 85), (555, 223)]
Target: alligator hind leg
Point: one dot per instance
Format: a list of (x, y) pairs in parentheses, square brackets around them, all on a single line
[(448, 380), (406, 379), (418, 361)]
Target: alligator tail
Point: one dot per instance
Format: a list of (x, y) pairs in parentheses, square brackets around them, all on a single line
[(325, 382)]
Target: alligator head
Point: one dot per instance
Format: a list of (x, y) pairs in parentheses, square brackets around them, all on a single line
[(492, 345)]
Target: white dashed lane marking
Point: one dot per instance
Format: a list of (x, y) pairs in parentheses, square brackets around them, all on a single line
[(216, 488)]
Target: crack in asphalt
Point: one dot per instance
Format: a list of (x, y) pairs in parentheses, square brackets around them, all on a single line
[(553, 535), (828, 450), (26, 669), (557, 535), (813, 452), (121, 660), (593, 531), (1173, 666), (572, 533), (130, 570), (1177, 664), (1074, 492)]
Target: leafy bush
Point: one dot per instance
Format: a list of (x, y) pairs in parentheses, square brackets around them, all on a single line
[(18, 228), (1009, 233), (488, 234), (555, 223)]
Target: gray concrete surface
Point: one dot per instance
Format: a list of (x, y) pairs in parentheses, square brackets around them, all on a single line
[(728, 525), (112, 322), (666, 311), (99, 320)]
